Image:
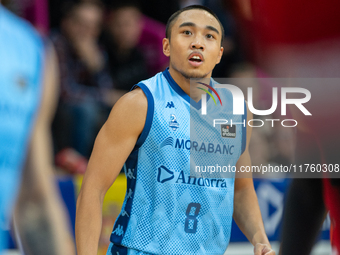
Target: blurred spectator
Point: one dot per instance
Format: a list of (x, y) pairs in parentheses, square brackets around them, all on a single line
[(134, 44), (124, 28), (84, 79)]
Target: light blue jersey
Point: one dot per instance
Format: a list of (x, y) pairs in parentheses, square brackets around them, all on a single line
[(21, 61), (169, 208)]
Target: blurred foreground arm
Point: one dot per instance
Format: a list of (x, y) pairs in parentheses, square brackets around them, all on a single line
[(39, 215)]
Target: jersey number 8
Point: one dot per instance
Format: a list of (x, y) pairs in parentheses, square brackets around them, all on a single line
[(191, 219)]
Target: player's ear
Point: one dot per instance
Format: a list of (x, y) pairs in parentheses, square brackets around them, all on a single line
[(220, 54), (166, 47)]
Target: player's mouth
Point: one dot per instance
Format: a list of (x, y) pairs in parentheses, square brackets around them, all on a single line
[(196, 59)]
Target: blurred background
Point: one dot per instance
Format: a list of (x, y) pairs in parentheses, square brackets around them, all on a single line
[(105, 47)]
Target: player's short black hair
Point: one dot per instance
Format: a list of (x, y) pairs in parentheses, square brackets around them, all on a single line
[(174, 17)]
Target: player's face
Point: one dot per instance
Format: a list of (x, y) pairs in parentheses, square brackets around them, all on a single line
[(195, 44)]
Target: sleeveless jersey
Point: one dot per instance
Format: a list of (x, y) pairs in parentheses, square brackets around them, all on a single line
[(21, 60), (169, 208)]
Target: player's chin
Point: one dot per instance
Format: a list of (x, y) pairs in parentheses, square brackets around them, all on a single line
[(196, 73)]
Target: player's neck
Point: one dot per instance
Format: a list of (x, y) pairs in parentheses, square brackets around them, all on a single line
[(184, 84)]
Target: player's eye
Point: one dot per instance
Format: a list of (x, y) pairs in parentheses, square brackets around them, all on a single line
[(187, 32), (210, 36)]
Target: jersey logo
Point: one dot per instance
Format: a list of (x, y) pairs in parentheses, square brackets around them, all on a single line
[(228, 131), (129, 195), (129, 173), (202, 147), (124, 213), (119, 230), (173, 122), (170, 105), (168, 141), (164, 174)]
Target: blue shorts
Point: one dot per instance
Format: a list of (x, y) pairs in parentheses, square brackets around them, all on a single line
[(122, 250)]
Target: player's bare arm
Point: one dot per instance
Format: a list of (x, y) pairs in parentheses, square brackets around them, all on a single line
[(40, 216), (247, 213), (112, 147)]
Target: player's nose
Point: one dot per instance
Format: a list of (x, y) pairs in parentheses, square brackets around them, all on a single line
[(197, 44)]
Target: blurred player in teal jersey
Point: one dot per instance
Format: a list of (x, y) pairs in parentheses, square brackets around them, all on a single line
[(27, 101), (166, 209)]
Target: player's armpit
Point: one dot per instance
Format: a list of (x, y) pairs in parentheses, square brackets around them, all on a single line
[(245, 159), (116, 140), (113, 145)]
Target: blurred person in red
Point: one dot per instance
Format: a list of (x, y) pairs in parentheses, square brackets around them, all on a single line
[(302, 40), (84, 78), (28, 192)]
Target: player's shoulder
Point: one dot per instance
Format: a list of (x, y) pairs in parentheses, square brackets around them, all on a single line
[(133, 100), (18, 29), (153, 83), (141, 94), (137, 104), (128, 115)]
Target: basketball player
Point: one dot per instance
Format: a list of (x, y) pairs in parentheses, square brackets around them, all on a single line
[(166, 209), (26, 108)]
